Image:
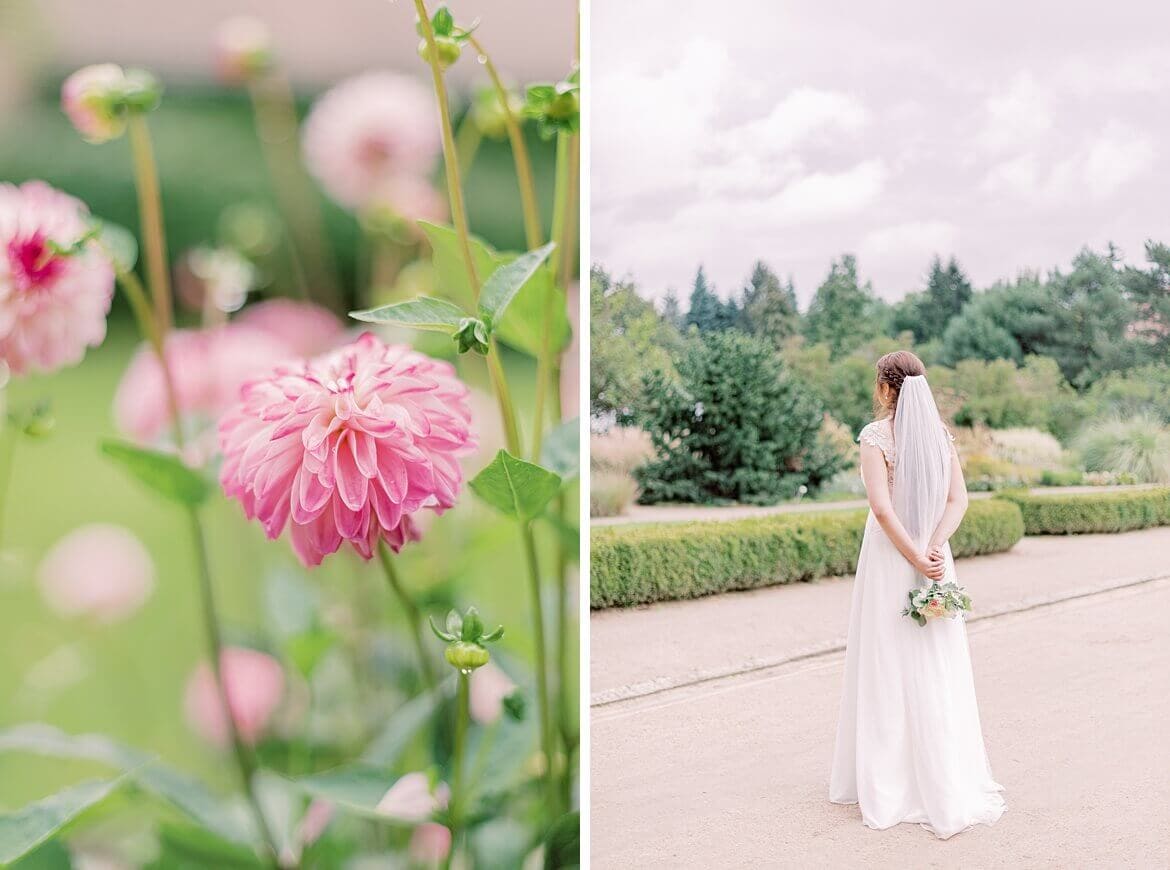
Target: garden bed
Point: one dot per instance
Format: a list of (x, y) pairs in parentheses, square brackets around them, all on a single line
[(1085, 513), (643, 564)]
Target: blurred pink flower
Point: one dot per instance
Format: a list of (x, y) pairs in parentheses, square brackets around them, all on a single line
[(347, 446), (88, 98), (408, 198), (430, 844), (53, 305), (304, 328), (411, 799), (254, 683), (208, 367), (243, 48), (100, 571), (489, 687), (364, 135)]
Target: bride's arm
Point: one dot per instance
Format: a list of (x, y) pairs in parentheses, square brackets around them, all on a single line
[(877, 489), (956, 505)]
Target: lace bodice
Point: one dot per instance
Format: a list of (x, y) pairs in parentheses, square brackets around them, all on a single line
[(880, 434)]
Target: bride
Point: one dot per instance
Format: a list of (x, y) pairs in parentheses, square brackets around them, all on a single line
[(909, 745)]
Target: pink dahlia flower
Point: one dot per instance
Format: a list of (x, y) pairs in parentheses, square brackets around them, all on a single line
[(347, 446), (100, 571), (254, 683), (90, 98), (53, 305), (306, 329), (363, 136), (430, 844), (208, 367)]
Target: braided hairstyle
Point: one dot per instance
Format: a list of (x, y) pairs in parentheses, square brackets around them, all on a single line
[(892, 369)]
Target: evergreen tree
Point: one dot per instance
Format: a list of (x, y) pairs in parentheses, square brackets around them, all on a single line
[(947, 291), (769, 307), (672, 310), (707, 311), (844, 313)]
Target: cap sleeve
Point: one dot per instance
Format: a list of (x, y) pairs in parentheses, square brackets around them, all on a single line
[(878, 434)]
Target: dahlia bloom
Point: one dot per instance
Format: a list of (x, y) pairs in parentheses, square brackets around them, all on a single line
[(304, 328), (208, 367), (430, 844), (89, 99), (254, 684), (411, 799), (99, 571), (369, 132), (53, 305), (347, 446)]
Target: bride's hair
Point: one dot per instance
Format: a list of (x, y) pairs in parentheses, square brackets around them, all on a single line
[(892, 369)]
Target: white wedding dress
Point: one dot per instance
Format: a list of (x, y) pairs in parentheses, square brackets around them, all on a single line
[(909, 744)]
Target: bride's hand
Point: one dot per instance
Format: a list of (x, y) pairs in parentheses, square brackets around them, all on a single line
[(932, 565)]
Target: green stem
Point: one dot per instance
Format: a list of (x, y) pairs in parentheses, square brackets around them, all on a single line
[(243, 755), (8, 437), (524, 174), (274, 109), (140, 305), (462, 717), (544, 361), (413, 614), (504, 397), (467, 142), (150, 212), (450, 153), (546, 736)]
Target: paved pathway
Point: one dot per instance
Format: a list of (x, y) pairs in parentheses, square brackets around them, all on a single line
[(677, 513), (713, 751)]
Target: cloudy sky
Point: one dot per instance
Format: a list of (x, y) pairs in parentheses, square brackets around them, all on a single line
[(1006, 134)]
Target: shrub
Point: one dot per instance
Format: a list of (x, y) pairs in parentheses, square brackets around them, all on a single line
[(610, 493), (734, 427), (622, 448), (1051, 514), (1138, 446), (1069, 477), (642, 564), (1027, 446)]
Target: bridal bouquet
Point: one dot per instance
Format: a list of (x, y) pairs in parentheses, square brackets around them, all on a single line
[(937, 601)]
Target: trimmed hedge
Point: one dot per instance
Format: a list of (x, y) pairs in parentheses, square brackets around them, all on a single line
[(1091, 512), (642, 564)]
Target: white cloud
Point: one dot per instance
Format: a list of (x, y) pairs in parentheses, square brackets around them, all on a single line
[(824, 195), (1117, 156), (801, 115), (1021, 114)]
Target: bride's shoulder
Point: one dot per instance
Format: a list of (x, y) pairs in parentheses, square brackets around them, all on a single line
[(879, 433)]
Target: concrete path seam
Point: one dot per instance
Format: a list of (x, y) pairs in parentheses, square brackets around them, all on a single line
[(659, 685)]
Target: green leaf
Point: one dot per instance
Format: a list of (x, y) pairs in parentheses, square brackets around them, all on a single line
[(516, 488), (385, 749), (162, 472), (562, 846), (50, 855), (443, 22), (560, 452), (226, 819), (425, 313), (450, 271), (184, 847), (308, 648), (25, 829), (522, 326), (119, 244), (505, 282), (356, 788)]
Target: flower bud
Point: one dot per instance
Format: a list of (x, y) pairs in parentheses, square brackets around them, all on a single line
[(472, 335), (448, 47), (466, 656), (243, 49), (97, 99), (487, 110)]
